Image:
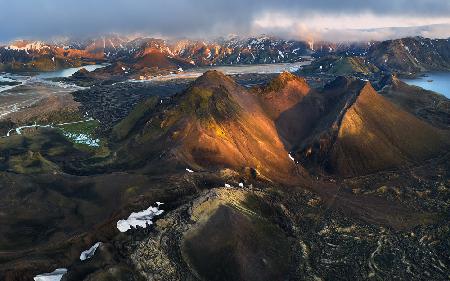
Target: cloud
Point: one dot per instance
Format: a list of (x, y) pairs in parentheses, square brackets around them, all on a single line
[(364, 26), (201, 18)]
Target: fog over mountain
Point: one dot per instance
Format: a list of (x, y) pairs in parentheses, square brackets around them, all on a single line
[(311, 20)]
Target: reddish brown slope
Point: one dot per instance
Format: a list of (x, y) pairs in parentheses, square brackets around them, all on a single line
[(160, 60), (282, 93)]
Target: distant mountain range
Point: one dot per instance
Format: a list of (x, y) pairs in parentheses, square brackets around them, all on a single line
[(408, 55), (41, 56)]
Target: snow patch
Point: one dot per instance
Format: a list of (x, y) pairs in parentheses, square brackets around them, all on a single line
[(82, 139), (292, 158), (142, 218), (33, 46), (189, 170), (90, 252), (52, 276)]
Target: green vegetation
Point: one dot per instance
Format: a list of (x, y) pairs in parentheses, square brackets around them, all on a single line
[(341, 66), (83, 135), (206, 104), (123, 128), (31, 163), (353, 65), (197, 101), (280, 82), (35, 152)]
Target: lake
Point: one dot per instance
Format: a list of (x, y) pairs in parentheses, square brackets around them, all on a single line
[(438, 82), (68, 71)]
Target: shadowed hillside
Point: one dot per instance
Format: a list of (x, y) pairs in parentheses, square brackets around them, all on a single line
[(376, 135), (426, 105)]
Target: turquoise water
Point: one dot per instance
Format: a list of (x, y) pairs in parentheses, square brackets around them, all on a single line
[(68, 71), (438, 82)]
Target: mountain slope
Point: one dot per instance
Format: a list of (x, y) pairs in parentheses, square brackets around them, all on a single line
[(411, 55), (149, 52), (376, 135), (341, 65), (318, 110)]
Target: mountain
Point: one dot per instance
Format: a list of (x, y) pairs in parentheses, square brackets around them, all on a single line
[(376, 135), (411, 55), (39, 56), (218, 124), (214, 124), (405, 56), (349, 129)]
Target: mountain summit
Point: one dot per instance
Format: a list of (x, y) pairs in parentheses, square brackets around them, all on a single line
[(215, 123)]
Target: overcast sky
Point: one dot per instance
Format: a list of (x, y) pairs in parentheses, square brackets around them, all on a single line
[(337, 20)]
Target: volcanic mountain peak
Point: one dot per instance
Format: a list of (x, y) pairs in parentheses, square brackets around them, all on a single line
[(214, 79), (283, 80), (282, 93), (219, 96), (343, 83), (375, 135), (214, 124)]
